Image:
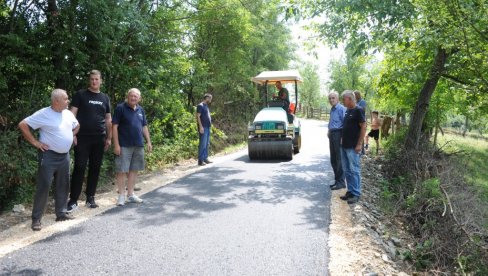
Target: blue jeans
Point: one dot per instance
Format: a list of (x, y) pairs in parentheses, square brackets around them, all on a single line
[(352, 170), (204, 144)]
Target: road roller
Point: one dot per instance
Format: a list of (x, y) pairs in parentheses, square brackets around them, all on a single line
[(275, 132)]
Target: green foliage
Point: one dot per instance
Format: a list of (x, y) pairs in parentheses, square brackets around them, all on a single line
[(18, 164), (173, 51), (309, 91), (473, 159)]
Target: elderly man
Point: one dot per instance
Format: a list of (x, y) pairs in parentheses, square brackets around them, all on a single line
[(335, 132), (57, 126), (204, 122), (360, 102), (353, 132), (129, 129)]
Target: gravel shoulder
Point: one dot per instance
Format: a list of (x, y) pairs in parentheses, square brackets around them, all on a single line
[(362, 239)]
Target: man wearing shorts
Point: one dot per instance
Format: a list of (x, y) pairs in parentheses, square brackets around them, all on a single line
[(129, 129), (375, 131)]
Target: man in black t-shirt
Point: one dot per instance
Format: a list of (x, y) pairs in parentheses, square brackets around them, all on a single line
[(283, 95), (353, 130), (92, 109)]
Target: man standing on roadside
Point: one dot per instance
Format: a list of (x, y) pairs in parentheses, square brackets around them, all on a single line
[(361, 103), (353, 132), (129, 131), (204, 121), (335, 132), (57, 128), (92, 109)]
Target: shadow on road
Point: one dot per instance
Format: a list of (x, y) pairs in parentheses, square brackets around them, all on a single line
[(224, 187), (12, 271)]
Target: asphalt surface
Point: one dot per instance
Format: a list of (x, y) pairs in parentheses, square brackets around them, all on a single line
[(234, 217)]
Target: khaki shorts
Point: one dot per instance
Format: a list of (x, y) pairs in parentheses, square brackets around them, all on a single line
[(130, 159)]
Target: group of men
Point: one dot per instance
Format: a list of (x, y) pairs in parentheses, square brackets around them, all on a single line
[(347, 128), (89, 126)]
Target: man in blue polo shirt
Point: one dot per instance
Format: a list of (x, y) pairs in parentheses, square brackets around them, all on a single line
[(129, 130), (335, 134)]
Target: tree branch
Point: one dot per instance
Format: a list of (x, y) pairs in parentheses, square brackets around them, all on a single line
[(457, 80)]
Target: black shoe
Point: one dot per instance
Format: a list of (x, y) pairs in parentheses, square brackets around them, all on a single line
[(90, 202), (64, 217), (36, 225), (353, 199), (337, 187), (201, 163), (347, 196), (207, 161), (137, 189), (72, 205)]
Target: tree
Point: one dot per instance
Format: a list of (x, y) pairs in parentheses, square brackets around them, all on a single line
[(450, 33), (310, 89)]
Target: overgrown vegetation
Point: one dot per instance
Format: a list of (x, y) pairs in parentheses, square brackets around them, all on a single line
[(173, 51), (433, 190)]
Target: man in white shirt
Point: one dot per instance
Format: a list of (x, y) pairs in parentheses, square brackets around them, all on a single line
[(57, 126)]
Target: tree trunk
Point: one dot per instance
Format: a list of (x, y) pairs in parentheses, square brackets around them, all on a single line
[(53, 24), (436, 129), (466, 125), (13, 16), (423, 100)]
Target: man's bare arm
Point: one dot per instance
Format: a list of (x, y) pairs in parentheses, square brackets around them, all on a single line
[(108, 127), (359, 145), (74, 110), (24, 129), (199, 121), (145, 131)]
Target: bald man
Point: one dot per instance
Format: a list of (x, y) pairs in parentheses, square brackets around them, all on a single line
[(57, 127)]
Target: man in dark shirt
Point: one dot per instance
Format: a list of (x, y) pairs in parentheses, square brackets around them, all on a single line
[(283, 95), (204, 121), (129, 131), (335, 135), (92, 109), (360, 103), (353, 131)]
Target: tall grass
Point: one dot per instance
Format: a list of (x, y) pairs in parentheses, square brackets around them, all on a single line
[(473, 155)]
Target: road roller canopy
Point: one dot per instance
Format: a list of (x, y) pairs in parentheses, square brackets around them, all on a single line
[(272, 77), (276, 114)]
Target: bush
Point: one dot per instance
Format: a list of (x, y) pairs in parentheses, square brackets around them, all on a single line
[(18, 164), (445, 214)]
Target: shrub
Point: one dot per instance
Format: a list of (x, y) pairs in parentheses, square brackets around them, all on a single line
[(18, 167), (445, 214)]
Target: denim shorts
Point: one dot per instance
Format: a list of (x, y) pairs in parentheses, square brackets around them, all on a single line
[(130, 159)]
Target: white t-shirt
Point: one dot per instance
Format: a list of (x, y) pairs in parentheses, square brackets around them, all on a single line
[(56, 128)]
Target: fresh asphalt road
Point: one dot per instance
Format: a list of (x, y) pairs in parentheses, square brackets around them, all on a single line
[(234, 217)]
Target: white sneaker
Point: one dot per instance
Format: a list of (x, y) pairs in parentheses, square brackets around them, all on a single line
[(121, 200), (134, 199)]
